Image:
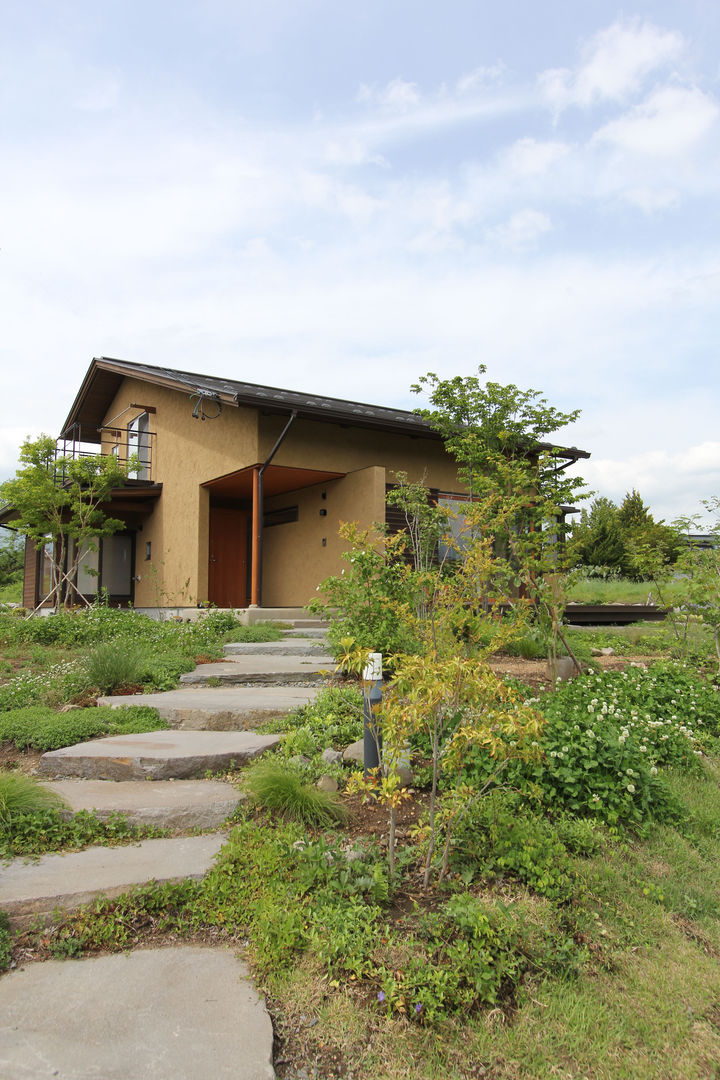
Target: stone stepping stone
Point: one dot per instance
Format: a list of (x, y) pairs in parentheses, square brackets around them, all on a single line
[(167, 804), (263, 670), (311, 632), (156, 755), (30, 890), (220, 708), (153, 1014), (298, 647)]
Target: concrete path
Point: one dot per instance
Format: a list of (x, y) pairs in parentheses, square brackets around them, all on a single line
[(185, 1013), (34, 889), (219, 708), (298, 647), (156, 755), (264, 670), (168, 804)]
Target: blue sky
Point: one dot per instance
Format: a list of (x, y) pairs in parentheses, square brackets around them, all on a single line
[(340, 198)]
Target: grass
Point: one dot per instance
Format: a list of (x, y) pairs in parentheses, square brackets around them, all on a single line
[(277, 788), (620, 591), (22, 795), (41, 728)]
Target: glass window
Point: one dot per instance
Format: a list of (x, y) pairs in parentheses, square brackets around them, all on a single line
[(139, 444)]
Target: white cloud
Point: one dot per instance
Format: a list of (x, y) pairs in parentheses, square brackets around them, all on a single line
[(522, 230), (480, 78), (670, 121), (395, 96), (533, 157), (672, 483), (615, 63)]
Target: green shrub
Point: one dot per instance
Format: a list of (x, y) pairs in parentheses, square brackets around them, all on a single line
[(334, 718), (500, 836), (460, 958), (21, 795), (40, 728), (279, 789)]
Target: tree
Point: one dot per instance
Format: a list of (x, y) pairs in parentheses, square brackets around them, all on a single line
[(58, 503), (597, 539), (499, 437), (612, 537), (11, 559)]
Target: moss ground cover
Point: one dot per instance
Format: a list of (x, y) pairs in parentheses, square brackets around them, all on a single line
[(41, 728)]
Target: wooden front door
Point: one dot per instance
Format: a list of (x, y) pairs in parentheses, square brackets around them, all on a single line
[(227, 579)]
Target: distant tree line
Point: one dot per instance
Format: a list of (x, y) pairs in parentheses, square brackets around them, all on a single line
[(608, 537), (12, 558)]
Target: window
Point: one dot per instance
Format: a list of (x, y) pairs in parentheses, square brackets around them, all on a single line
[(456, 530), (139, 444)]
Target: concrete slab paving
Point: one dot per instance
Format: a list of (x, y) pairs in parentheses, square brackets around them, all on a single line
[(181, 1013), (156, 755), (268, 670), (219, 708), (298, 647), (30, 890), (167, 804)]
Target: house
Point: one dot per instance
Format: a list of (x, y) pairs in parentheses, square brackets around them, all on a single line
[(239, 488)]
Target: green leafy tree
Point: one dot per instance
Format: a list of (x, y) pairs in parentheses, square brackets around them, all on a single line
[(12, 554), (58, 499), (499, 435), (598, 540)]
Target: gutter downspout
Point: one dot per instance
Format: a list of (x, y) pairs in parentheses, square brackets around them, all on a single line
[(258, 514)]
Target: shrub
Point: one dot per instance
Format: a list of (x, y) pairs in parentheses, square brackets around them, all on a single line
[(334, 719), (21, 795), (40, 728), (279, 789), (499, 835)]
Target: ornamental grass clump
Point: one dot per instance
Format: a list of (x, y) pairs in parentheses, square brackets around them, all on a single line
[(21, 795), (112, 665), (281, 791)]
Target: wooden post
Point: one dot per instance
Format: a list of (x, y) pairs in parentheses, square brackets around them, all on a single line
[(257, 512)]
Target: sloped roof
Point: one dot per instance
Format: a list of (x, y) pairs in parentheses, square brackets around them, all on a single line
[(105, 375)]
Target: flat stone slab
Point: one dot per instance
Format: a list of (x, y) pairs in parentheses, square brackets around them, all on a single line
[(311, 632), (156, 755), (219, 708), (180, 1013), (268, 670), (298, 647), (167, 804), (30, 890)]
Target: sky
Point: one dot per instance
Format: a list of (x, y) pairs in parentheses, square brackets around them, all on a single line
[(339, 198)]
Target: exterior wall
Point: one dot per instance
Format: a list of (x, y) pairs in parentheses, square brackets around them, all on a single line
[(315, 445), (30, 575), (295, 559), (185, 454)]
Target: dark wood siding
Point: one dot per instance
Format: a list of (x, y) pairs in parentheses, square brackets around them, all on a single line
[(31, 575)]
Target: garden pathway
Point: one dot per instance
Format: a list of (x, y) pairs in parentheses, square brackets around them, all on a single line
[(211, 726)]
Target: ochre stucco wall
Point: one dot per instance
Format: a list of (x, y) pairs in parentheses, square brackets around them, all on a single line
[(187, 453), (295, 559), (344, 449)]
